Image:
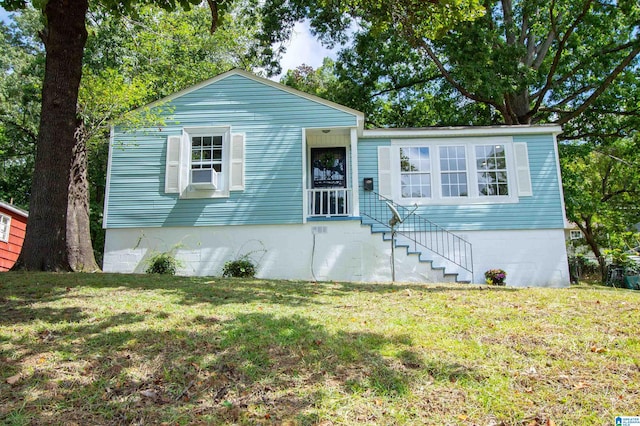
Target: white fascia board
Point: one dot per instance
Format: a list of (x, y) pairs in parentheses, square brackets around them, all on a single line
[(14, 209), (439, 132), (236, 71)]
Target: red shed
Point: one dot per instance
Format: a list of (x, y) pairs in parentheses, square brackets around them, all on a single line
[(13, 224)]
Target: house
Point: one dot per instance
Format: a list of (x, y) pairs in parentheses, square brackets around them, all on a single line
[(245, 167), (13, 225)]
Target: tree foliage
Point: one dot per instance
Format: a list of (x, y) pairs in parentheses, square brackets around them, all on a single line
[(128, 61), (602, 190), (521, 62), (569, 62)]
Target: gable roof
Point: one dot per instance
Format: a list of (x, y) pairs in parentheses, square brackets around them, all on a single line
[(14, 209), (236, 71)]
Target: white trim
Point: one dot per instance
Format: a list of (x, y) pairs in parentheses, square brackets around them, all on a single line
[(236, 71), (14, 209), (107, 191), (305, 197), (188, 190), (8, 229), (469, 144), (355, 177), (561, 189), (442, 132)]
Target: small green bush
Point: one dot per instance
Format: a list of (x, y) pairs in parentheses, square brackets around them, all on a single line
[(240, 268), (162, 263)]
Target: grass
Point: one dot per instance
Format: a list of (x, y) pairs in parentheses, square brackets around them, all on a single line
[(140, 349)]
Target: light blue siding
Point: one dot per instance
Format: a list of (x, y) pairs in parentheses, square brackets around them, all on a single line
[(272, 121), (543, 210)]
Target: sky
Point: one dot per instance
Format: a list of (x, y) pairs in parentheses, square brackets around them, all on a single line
[(304, 49), (301, 49)]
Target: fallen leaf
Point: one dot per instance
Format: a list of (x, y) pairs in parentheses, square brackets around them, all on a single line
[(148, 393), (14, 379)]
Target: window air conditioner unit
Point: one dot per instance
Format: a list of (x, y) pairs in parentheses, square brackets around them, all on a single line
[(204, 178)]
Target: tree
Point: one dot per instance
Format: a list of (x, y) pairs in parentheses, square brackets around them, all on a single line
[(523, 61), (128, 62), (21, 68), (46, 245), (569, 62), (602, 189)]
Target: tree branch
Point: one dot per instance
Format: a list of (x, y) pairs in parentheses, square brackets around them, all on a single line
[(561, 45), (605, 84), (404, 86), (447, 76), (507, 12), (33, 138), (213, 6)]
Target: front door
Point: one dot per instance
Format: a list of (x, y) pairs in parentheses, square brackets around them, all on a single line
[(329, 181)]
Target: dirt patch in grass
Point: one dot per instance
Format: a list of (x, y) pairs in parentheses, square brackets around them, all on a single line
[(121, 349)]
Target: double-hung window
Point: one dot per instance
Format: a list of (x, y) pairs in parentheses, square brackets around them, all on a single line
[(415, 172), (5, 226), (453, 171), (205, 162), (491, 166), (458, 171)]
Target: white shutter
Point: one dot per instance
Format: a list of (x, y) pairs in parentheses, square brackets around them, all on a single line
[(172, 170), (236, 169), (522, 169), (384, 171)]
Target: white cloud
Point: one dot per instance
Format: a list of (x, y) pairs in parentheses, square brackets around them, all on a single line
[(303, 48)]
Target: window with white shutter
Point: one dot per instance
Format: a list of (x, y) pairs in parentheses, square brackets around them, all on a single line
[(205, 162)]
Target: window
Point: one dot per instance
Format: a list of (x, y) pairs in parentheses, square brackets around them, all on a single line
[(453, 171), (477, 170), (491, 166), (205, 162), (415, 172), (5, 226), (575, 234)]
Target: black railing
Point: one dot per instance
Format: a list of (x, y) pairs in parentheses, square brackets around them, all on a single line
[(420, 231)]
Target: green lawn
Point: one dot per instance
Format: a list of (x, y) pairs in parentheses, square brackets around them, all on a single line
[(94, 349)]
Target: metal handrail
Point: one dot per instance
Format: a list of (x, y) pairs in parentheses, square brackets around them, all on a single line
[(420, 230)]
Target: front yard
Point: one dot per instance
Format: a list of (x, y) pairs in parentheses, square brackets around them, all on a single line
[(141, 349)]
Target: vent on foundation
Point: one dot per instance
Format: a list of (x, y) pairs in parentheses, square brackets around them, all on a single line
[(319, 229)]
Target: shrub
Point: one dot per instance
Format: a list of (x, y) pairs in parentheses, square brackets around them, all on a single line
[(240, 268), (495, 277), (163, 263)]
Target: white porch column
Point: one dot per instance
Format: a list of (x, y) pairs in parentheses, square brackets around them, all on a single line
[(305, 196), (355, 177)]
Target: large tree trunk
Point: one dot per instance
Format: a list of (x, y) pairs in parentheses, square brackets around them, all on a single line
[(45, 245), (79, 248)]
